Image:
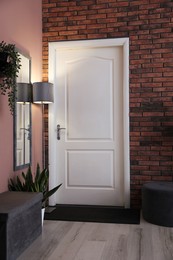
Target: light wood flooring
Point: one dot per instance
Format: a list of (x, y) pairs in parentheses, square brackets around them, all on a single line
[(95, 241)]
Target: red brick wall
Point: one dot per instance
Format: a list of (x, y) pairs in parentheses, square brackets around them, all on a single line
[(149, 26)]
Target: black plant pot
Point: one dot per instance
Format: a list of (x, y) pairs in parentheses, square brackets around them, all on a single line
[(3, 57), (3, 63)]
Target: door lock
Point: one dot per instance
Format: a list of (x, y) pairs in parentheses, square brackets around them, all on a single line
[(58, 131)]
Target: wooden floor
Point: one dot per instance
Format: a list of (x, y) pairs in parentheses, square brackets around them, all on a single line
[(95, 241)]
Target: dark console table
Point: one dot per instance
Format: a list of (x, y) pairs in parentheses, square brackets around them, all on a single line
[(20, 222)]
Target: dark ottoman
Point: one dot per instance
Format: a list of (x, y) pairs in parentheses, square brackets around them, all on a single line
[(157, 203)]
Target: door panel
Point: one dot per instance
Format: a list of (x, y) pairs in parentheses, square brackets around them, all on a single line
[(90, 169), (92, 92), (88, 158)]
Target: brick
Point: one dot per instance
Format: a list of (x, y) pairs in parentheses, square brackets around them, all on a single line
[(97, 36), (149, 6), (59, 10), (69, 32), (160, 21), (99, 7), (77, 37), (48, 5), (143, 177), (77, 8), (162, 178), (78, 17), (88, 12), (151, 173), (149, 16), (86, 3)]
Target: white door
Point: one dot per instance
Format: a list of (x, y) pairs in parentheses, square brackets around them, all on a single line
[(89, 156)]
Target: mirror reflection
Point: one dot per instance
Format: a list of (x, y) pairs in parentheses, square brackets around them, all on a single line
[(22, 117), (23, 134)]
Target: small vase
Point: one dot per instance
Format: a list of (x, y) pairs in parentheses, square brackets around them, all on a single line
[(42, 215)]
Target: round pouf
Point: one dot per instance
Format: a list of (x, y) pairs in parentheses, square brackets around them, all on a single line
[(157, 203)]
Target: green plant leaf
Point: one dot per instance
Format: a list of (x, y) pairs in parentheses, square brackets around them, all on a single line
[(50, 192), (9, 72), (29, 179), (11, 185), (19, 184), (30, 183)]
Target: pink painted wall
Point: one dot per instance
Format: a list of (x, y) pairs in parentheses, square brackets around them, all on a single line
[(21, 24)]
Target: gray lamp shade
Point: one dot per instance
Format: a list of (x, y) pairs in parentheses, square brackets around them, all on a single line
[(23, 93), (42, 92)]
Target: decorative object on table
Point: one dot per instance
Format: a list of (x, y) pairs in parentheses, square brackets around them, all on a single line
[(9, 69)]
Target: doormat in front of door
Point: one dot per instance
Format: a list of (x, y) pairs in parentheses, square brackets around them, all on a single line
[(100, 214)]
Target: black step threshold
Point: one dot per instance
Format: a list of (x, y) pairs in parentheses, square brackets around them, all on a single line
[(87, 213)]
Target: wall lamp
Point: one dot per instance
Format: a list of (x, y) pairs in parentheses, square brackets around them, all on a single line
[(42, 93), (23, 93), (38, 92)]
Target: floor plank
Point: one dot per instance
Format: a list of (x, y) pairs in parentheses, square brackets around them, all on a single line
[(97, 241)]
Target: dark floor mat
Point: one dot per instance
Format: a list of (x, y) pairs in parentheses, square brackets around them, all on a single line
[(101, 214)]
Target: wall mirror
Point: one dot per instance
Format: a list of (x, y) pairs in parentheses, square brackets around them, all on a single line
[(22, 120)]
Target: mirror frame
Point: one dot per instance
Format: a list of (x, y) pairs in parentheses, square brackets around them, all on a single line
[(24, 165)]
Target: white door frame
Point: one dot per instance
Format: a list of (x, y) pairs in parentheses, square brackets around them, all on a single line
[(58, 46)]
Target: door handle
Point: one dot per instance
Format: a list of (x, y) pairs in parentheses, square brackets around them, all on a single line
[(58, 131)]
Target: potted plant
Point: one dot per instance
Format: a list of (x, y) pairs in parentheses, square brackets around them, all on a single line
[(9, 69), (37, 182)]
